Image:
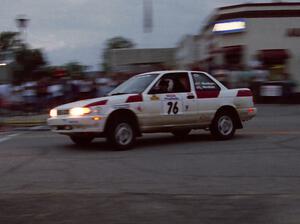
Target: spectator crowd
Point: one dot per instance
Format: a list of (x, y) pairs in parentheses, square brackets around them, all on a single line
[(40, 96)]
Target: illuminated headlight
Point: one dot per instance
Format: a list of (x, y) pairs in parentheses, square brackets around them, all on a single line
[(79, 111), (53, 113)]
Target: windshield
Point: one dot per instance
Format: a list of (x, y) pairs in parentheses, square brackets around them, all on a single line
[(136, 84)]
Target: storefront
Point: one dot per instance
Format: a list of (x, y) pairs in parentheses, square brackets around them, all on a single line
[(254, 36), (275, 61)]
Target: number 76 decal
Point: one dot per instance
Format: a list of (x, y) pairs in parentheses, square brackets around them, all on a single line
[(172, 107)]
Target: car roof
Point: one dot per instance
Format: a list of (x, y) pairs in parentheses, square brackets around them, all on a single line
[(168, 71)]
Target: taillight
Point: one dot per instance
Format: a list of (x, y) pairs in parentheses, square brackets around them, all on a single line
[(244, 93), (134, 98), (250, 110)]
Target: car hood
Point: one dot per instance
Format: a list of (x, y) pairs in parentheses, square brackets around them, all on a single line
[(111, 100)]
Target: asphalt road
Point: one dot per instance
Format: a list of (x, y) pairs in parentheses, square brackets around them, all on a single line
[(253, 178)]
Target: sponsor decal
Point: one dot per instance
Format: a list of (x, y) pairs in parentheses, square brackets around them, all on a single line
[(154, 97), (66, 121), (205, 85), (121, 106), (171, 97)]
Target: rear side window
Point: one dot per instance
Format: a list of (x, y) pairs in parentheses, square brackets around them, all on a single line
[(203, 82)]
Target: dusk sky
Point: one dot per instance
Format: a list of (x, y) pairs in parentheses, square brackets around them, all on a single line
[(76, 30)]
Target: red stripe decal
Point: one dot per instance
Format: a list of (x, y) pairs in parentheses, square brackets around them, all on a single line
[(243, 93), (134, 98), (98, 103), (207, 93)]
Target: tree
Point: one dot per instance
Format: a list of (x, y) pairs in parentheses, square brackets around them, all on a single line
[(114, 43), (119, 42), (75, 69), (8, 40), (28, 64)]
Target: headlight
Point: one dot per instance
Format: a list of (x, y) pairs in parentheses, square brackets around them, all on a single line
[(79, 111), (53, 113)]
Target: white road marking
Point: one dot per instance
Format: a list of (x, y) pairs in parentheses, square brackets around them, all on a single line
[(8, 137), (40, 128), (37, 127)]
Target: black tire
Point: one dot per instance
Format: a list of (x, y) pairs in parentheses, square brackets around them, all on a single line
[(223, 126), (181, 132), (82, 140), (121, 134)]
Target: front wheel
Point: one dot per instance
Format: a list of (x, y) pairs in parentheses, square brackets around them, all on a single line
[(223, 127), (121, 135)]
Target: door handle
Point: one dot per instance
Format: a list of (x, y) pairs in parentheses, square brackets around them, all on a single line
[(190, 97)]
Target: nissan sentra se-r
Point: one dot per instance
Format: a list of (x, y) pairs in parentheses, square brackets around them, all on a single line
[(164, 101)]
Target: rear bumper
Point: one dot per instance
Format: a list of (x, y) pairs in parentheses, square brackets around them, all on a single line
[(73, 125), (247, 113)]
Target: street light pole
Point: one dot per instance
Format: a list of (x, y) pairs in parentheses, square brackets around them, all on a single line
[(22, 23)]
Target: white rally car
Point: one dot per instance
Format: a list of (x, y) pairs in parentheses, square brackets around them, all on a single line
[(165, 101)]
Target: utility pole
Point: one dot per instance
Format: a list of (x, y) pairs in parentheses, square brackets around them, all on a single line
[(148, 16), (147, 22)]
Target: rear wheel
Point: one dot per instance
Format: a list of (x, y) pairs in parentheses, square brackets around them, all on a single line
[(82, 140), (121, 134), (181, 132), (223, 126)]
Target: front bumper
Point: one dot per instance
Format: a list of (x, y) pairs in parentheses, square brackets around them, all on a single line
[(70, 125)]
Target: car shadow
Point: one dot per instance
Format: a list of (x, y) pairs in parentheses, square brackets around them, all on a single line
[(172, 140), (96, 146), (149, 140)]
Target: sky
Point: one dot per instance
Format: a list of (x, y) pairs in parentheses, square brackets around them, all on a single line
[(76, 30)]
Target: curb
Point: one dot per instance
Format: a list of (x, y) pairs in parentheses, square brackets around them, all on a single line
[(24, 121), (25, 129), (35, 128)]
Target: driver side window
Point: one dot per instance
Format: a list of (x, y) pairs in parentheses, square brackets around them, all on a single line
[(172, 83)]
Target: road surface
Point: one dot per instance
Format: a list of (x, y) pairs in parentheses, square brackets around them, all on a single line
[(253, 178)]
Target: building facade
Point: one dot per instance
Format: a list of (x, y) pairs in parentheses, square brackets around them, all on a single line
[(253, 36), (187, 52), (265, 35), (137, 60)]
